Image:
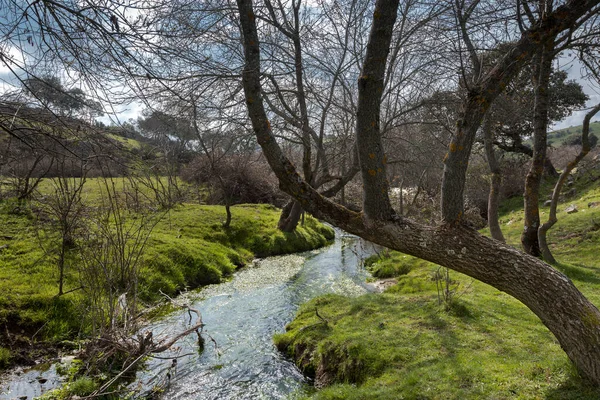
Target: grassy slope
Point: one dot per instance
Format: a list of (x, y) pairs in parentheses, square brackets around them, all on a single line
[(188, 248), (567, 135), (403, 345)]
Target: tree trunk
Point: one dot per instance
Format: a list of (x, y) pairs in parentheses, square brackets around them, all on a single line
[(573, 319), (494, 195), (61, 265), (549, 169), (376, 201), (290, 216), (585, 148), (227, 222), (226, 198), (531, 197)]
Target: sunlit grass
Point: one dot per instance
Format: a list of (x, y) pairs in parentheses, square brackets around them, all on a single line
[(188, 248), (484, 344)]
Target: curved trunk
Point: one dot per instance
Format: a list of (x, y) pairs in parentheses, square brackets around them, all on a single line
[(494, 195), (573, 319), (531, 197)]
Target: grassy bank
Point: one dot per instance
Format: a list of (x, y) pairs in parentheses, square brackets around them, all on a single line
[(188, 248), (479, 344)]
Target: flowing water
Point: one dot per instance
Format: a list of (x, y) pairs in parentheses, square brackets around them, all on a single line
[(242, 316)]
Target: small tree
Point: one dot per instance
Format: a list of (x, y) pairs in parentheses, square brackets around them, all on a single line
[(65, 209), (111, 249)]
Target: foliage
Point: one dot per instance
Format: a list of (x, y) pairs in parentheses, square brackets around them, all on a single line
[(5, 357), (235, 177), (50, 91)]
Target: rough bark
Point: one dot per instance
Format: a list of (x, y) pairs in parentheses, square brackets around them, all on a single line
[(531, 197), (496, 181), (549, 294), (376, 202), (552, 219), (290, 216)]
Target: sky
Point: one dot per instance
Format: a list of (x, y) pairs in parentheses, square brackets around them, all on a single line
[(133, 110), (574, 69)]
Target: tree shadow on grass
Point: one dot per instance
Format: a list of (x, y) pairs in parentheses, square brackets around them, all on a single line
[(579, 272), (574, 388)]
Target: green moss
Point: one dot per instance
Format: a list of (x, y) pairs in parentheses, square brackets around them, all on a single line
[(391, 264), (188, 248), (83, 386), (5, 357)]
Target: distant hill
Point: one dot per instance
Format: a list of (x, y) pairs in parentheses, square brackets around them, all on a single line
[(35, 142), (571, 134)]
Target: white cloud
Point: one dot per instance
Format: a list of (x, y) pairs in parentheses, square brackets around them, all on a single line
[(575, 71)]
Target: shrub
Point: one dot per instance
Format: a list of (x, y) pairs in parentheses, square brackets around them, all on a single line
[(5, 357), (234, 180)]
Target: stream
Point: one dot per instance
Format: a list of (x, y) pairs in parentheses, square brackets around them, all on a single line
[(241, 315)]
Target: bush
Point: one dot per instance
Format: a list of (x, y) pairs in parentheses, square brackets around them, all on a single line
[(576, 141), (234, 180), (5, 357)]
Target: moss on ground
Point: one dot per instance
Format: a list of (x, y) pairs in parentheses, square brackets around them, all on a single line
[(484, 344), (188, 248)]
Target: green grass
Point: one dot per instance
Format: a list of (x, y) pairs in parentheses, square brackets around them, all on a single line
[(403, 344), (5, 357), (128, 143), (188, 248), (567, 135)]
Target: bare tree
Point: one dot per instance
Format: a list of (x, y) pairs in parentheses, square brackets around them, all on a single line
[(65, 209), (549, 294), (112, 34)]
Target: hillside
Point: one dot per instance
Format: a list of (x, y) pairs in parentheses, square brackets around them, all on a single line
[(34, 142), (438, 335), (571, 134)]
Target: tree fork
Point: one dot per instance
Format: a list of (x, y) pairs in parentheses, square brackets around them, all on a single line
[(572, 318)]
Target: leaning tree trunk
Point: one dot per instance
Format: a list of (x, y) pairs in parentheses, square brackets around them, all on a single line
[(494, 195), (290, 216), (573, 319), (531, 197), (585, 148)]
